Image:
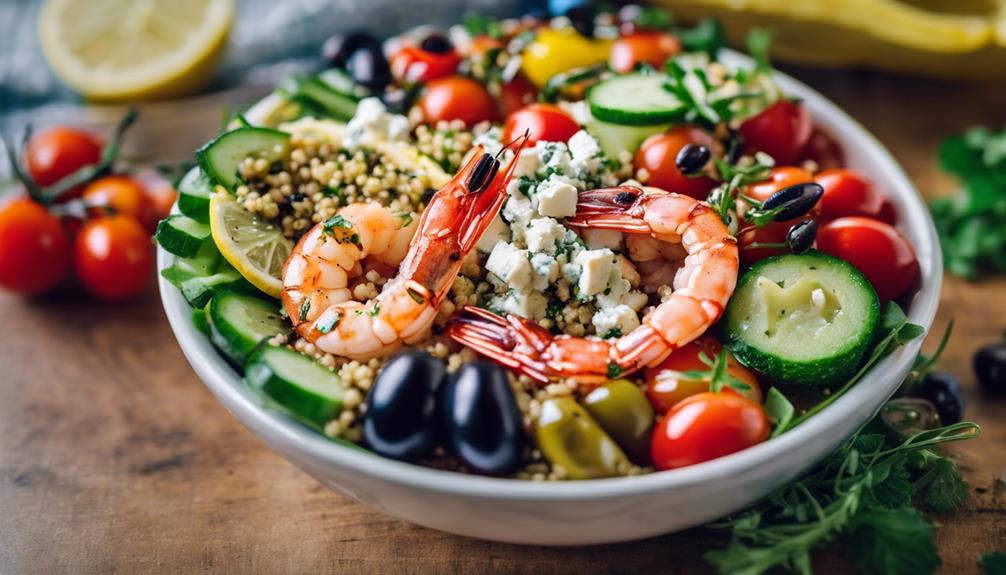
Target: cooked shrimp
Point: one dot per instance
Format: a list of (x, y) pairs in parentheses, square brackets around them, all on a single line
[(428, 255), (702, 285)]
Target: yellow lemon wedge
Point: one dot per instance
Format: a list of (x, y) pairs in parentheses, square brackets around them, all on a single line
[(255, 248), (127, 50)]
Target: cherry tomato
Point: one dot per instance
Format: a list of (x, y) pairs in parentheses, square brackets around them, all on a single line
[(848, 193), (34, 250), (706, 426), (651, 48), (545, 122), (887, 213), (774, 232), (113, 257), (413, 64), (457, 98), (116, 194), (823, 149), (160, 197), (657, 156), (516, 94), (781, 131), (58, 152), (665, 387), (877, 249)]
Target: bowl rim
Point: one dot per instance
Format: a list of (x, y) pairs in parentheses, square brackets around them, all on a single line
[(227, 384)]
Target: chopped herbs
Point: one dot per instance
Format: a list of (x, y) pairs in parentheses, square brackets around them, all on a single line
[(305, 308), (614, 370), (341, 229), (415, 295), (328, 323)]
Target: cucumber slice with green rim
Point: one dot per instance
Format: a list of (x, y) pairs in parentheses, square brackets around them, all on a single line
[(617, 138), (338, 105), (239, 322), (194, 195), (181, 235), (802, 319), (198, 290), (200, 322), (635, 100), (299, 385), (206, 262), (221, 157), (340, 81)]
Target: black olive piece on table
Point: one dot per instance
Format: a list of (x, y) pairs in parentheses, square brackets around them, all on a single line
[(945, 393), (793, 201), (436, 44), (990, 368), (691, 158), (482, 425), (402, 413), (801, 236), (362, 55)]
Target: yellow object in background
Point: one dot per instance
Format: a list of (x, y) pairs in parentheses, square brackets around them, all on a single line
[(556, 51), (129, 50), (947, 38)]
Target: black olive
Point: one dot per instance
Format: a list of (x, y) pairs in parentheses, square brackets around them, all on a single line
[(794, 201), (402, 420), (362, 55), (944, 392), (582, 19), (483, 426), (436, 44), (800, 237), (400, 100), (691, 158), (990, 368)]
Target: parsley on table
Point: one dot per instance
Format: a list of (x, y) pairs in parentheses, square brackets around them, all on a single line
[(972, 223)]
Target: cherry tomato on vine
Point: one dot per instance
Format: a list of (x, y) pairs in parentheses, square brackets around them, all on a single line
[(58, 152), (848, 193), (34, 249), (657, 156), (781, 131), (878, 250), (456, 98), (116, 194), (706, 426), (413, 64), (823, 149), (544, 122), (773, 232), (665, 386), (647, 47), (113, 257)]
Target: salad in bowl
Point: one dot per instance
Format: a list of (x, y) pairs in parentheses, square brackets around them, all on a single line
[(570, 249)]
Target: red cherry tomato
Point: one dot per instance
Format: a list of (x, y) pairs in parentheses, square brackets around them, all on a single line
[(544, 122), (706, 426), (665, 386), (657, 156), (34, 249), (58, 152), (457, 98), (781, 131), (413, 64), (848, 193), (116, 194), (877, 249), (651, 48), (113, 257), (887, 212), (774, 232), (824, 150), (516, 94), (160, 195)]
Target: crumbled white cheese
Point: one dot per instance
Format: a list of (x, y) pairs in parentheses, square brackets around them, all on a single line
[(490, 141), (596, 268), (597, 239), (510, 265), (497, 231), (635, 299), (544, 235), (527, 164), (531, 305), (546, 271), (583, 146), (556, 197), (372, 124), (518, 211), (616, 321)]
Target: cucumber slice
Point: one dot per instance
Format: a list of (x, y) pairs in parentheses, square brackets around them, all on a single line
[(299, 385), (198, 290), (181, 235), (194, 195), (200, 322), (340, 81), (802, 319), (635, 100), (239, 322), (206, 262), (221, 157), (616, 138), (338, 105)]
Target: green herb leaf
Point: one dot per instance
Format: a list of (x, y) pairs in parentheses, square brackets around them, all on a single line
[(993, 563), (779, 410), (894, 542), (706, 36), (944, 488)]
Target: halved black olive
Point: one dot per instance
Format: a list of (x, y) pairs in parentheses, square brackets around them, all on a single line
[(401, 420), (483, 425), (990, 367), (362, 55), (582, 19), (793, 201), (436, 44), (800, 237), (691, 158)]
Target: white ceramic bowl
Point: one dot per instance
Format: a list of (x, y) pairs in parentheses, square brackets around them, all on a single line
[(603, 510)]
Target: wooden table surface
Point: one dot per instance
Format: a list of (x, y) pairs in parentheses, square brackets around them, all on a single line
[(115, 459)]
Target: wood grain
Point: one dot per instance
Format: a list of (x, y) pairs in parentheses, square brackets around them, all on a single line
[(115, 459)]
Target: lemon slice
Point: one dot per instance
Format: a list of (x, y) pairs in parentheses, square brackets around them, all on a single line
[(117, 50), (256, 249)]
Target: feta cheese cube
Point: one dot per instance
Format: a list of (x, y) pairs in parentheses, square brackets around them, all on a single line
[(635, 299), (518, 211), (544, 235), (497, 231), (583, 146), (531, 305), (616, 321), (597, 239), (556, 197), (490, 140), (546, 271), (596, 266), (510, 264), (527, 164), (553, 155)]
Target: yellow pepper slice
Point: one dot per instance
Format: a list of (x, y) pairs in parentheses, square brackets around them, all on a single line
[(555, 51)]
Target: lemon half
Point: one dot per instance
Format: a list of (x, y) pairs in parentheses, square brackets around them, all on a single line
[(119, 50)]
